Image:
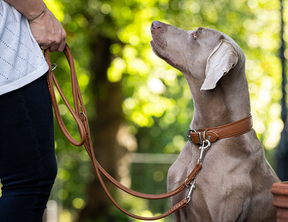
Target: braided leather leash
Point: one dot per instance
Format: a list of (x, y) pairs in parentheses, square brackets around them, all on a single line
[(80, 116)]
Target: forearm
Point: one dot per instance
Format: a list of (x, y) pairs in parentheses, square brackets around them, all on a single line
[(29, 8)]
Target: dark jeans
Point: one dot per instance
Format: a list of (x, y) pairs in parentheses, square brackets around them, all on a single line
[(27, 157)]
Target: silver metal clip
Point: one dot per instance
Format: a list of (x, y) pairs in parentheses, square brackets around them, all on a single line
[(206, 144), (83, 115), (189, 194), (200, 139), (188, 136), (54, 66)]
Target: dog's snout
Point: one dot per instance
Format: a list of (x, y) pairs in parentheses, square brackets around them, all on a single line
[(156, 25)]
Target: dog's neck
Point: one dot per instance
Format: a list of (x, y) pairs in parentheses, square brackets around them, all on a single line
[(227, 103)]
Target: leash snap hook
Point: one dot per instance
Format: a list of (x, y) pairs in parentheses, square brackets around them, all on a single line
[(191, 188), (206, 144)]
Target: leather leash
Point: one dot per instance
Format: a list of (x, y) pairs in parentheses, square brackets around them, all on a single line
[(80, 115)]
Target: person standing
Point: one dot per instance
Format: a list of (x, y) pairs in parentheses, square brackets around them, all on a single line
[(27, 157)]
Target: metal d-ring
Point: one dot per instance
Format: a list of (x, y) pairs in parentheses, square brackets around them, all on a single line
[(204, 134), (188, 136), (82, 114), (204, 137), (200, 139), (54, 66)]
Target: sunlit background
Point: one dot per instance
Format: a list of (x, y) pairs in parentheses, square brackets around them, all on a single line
[(141, 107)]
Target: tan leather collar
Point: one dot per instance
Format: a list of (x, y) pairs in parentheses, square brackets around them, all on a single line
[(230, 130)]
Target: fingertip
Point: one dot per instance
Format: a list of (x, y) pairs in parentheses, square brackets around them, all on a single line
[(62, 43), (64, 34), (62, 46)]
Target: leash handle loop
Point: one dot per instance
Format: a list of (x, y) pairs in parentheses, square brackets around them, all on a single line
[(76, 114)]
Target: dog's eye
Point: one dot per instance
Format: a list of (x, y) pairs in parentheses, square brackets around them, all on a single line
[(194, 35)]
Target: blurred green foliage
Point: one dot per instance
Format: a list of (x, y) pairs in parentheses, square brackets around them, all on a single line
[(157, 102)]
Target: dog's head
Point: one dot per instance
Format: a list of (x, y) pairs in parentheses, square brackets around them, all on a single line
[(204, 54)]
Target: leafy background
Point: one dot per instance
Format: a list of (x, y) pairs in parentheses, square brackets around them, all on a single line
[(139, 105)]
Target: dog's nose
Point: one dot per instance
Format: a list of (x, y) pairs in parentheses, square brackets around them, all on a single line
[(156, 25)]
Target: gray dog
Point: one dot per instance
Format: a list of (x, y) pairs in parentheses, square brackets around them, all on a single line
[(235, 180)]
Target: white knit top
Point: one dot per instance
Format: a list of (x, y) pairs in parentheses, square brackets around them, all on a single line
[(21, 59)]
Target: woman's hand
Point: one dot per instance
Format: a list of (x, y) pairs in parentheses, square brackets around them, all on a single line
[(45, 28), (48, 32)]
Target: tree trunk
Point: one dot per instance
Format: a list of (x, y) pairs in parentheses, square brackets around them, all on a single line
[(282, 151)]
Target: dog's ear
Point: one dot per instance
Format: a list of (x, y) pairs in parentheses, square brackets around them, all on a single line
[(223, 58)]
